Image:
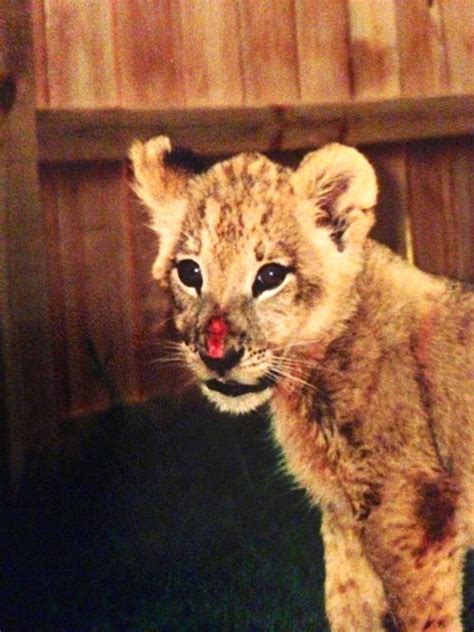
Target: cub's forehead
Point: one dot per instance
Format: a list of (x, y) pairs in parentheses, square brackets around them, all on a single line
[(239, 199), (247, 181)]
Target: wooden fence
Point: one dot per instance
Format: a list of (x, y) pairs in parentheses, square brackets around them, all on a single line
[(220, 76)]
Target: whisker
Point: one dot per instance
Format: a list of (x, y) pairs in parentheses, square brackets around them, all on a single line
[(299, 372), (170, 355), (170, 343), (167, 344), (296, 362), (297, 368), (191, 381), (152, 337), (300, 343), (166, 353), (168, 361), (159, 323), (162, 361), (172, 351), (293, 378)]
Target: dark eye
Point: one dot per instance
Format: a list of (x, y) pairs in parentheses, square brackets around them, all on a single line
[(269, 276), (189, 273)]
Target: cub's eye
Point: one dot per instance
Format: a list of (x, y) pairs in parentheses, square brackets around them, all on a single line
[(269, 276), (189, 273)]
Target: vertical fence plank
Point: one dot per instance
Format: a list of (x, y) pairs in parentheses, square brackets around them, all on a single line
[(322, 39), (25, 327), (376, 74), (109, 290), (268, 48), (462, 193), (373, 49), (40, 53), (458, 29), (84, 392), (424, 71), (49, 178), (423, 62), (433, 223), (390, 164), (211, 55), (81, 67), (148, 52), (98, 288), (442, 206)]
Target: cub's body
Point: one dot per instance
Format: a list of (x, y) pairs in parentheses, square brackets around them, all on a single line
[(366, 362), (385, 445)]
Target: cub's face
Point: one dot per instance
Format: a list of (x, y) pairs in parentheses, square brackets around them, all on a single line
[(260, 261)]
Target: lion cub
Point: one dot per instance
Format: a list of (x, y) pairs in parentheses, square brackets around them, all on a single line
[(367, 364)]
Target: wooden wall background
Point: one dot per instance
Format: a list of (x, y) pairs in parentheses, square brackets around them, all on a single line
[(220, 76)]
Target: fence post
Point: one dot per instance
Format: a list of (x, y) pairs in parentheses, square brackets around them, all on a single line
[(28, 430)]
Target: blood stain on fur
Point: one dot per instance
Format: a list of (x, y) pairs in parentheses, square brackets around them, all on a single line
[(436, 509)]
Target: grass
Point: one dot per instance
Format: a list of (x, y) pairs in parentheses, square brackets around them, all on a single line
[(174, 520)]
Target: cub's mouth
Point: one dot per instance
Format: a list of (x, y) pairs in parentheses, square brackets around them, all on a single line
[(231, 388)]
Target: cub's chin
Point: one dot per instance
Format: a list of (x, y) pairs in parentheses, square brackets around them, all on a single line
[(235, 402)]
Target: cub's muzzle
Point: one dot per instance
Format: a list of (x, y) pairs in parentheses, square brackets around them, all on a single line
[(223, 364)]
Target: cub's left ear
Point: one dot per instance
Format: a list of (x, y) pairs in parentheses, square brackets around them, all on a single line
[(338, 190)]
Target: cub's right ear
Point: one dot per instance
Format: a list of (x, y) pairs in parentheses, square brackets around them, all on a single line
[(160, 187)]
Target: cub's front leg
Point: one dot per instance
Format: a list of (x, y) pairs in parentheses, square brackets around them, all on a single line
[(414, 543), (355, 597)]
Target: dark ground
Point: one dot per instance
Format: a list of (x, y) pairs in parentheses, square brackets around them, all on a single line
[(175, 519)]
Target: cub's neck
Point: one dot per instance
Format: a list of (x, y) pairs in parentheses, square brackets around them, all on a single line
[(393, 296), (392, 302)]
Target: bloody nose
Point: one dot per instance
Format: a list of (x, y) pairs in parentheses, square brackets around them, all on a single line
[(215, 356), (216, 333)]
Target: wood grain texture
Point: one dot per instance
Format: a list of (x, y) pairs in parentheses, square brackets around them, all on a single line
[(49, 186), (376, 75), (225, 76), (422, 49), (107, 134), (433, 226), (81, 65), (462, 192), (29, 429), (269, 52), (212, 68), (458, 31), (149, 54), (389, 162), (424, 70), (373, 49), (323, 54), (95, 257), (40, 53), (177, 53)]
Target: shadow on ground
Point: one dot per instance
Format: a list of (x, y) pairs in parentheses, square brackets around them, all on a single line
[(175, 518)]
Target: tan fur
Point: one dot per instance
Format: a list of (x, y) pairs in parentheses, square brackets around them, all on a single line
[(372, 364)]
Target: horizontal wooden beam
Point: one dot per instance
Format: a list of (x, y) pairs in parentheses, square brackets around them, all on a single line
[(70, 135)]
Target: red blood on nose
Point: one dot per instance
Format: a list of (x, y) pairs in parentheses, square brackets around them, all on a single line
[(217, 330)]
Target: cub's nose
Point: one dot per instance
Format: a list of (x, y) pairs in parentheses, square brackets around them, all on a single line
[(224, 364)]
